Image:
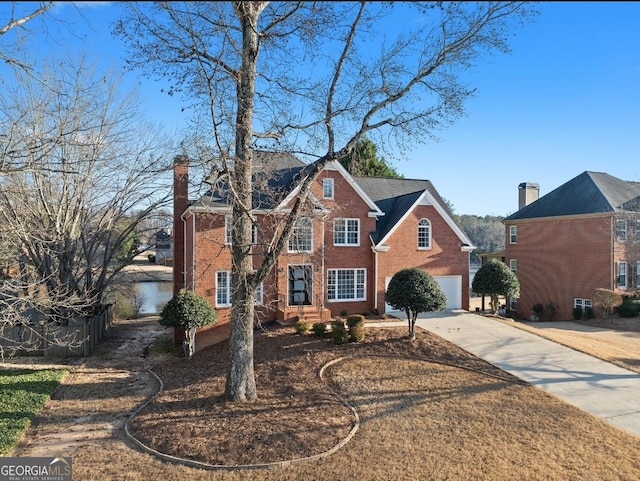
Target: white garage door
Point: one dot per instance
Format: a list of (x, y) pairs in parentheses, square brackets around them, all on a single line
[(452, 287)]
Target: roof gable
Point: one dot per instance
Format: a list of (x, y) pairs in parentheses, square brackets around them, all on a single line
[(397, 198), (588, 193)]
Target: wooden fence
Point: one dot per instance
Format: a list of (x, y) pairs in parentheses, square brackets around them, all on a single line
[(76, 339)]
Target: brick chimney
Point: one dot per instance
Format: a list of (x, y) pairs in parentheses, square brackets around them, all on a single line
[(180, 204), (528, 192)]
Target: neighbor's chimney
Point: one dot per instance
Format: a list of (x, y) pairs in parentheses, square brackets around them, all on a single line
[(528, 192), (180, 204)]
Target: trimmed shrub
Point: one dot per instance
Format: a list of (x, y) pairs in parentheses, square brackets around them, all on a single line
[(339, 332), (319, 328), (303, 327), (188, 310), (356, 328), (589, 313)]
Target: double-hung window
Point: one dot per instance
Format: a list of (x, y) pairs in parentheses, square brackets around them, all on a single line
[(346, 232), (346, 284), (223, 288), (327, 188), (424, 234), (228, 229), (301, 239), (513, 234), (621, 230), (622, 274), (513, 265)]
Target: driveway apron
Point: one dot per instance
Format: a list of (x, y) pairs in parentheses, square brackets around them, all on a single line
[(598, 387)]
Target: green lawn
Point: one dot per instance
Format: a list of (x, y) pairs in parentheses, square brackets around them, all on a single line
[(23, 393)]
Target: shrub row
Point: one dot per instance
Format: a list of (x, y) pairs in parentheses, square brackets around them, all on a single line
[(351, 330)]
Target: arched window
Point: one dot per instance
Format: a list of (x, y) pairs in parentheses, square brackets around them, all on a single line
[(424, 234), (301, 239)]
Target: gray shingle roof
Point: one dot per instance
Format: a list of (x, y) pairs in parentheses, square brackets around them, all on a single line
[(275, 175), (394, 197), (588, 193), (280, 173)]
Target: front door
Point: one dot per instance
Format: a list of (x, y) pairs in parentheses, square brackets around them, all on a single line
[(300, 285)]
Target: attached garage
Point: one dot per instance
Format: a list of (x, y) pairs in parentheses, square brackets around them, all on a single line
[(452, 287)]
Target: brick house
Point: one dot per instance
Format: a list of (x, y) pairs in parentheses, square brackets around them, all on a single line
[(355, 235), (582, 236)]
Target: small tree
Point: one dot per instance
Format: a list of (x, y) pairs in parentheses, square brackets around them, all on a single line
[(414, 291), (606, 301), (188, 311), (496, 279)]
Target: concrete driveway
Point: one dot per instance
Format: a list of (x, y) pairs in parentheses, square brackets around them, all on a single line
[(593, 385)]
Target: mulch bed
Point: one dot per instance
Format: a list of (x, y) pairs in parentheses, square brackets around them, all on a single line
[(191, 420)]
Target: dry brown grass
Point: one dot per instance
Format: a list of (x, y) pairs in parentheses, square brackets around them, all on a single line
[(420, 419)]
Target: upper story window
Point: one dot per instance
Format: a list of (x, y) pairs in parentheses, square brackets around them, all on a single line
[(301, 239), (622, 274), (638, 274), (424, 234), (621, 230), (327, 188), (513, 265), (513, 234), (346, 232), (228, 229)]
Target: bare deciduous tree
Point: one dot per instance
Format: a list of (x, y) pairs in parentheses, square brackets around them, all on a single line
[(80, 171), (17, 20), (312, 79)]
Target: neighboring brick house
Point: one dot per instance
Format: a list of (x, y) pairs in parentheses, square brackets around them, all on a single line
[(357, 233), (582, 236)]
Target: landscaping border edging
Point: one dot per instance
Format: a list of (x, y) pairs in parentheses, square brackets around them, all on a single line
[(220, 467)]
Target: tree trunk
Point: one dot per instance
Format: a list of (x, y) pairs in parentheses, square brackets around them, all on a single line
[(241, 384)]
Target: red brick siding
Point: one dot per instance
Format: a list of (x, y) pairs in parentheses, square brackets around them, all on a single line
[(559, 260), (347, 203), (445, 258)]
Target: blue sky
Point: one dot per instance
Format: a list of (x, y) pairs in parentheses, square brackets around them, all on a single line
[(566, 100)]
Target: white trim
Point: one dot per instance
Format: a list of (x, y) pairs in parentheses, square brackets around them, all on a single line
[(346, 232), (443, 213), (354, 270), (325, 182), (429, 228), (228, 289), (513, 232), (311, 228), (334, 165)]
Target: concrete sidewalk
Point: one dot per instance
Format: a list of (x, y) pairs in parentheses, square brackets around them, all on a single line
[(593, 385)]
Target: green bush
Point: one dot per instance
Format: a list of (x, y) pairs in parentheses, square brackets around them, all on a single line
[(630, 307), (188, 310), (355, 324), (577, 313), (339, 332), (303, 327), (319, 328), (627, 310)]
